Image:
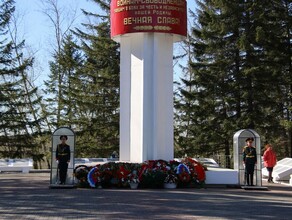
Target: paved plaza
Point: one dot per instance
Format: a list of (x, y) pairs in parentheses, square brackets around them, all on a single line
[(28, 196)]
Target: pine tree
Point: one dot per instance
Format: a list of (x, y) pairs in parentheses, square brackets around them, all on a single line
[(279, 52), (207, 92), (64, 86), (236, 75), (18, 100), (100, 128)]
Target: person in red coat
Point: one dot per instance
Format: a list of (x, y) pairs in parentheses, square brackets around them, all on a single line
[(270, 160)]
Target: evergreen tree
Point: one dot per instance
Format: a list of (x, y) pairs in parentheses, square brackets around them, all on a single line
[(282, 57), (64, 87), (99, 131), (18, 100), (236, 77)]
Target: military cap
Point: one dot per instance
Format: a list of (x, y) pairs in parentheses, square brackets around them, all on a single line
[(64, 136), (249, 139)]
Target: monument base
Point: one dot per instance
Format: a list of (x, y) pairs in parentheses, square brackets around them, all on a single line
[(221, 176), (254, 187), (58, 186)]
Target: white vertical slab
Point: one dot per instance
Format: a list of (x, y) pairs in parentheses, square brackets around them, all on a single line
[(136, 100), (163, 96), (125, 91), (146, 118)]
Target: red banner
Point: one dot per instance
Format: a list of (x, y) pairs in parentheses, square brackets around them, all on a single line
[(164, 16)]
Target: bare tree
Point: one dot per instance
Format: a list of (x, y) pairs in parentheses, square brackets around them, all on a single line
[(32, 97), (62, 20)]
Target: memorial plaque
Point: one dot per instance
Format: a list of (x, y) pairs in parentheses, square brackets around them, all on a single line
[(162, 16)]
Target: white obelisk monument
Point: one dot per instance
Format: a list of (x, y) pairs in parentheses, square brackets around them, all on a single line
[(146, 31)]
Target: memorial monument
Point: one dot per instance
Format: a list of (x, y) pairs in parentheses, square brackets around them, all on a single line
[(146, 31)]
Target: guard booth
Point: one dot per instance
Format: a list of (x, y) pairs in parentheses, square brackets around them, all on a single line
[(54, 177), (238, 145)]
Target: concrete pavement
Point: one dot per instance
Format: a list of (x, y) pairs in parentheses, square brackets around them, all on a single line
[(28, 196)]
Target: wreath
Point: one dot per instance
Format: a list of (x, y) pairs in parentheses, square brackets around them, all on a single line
[(80, 172), (183, 173), (93, 177)]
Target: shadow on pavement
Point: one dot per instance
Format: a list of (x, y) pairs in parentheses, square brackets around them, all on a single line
[(27, 196)]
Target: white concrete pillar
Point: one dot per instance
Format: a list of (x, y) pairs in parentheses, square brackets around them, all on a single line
[(146, 97)]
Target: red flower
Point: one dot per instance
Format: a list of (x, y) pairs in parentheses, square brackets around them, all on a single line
[(184, 177), (123, 173)]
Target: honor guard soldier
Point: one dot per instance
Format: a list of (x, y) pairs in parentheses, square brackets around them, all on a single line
[(63, 158), (249, 160)]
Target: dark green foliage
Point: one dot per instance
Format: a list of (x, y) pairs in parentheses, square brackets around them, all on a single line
[(100, 75), (237, 76), (64, 86), (19, 124), (84, 87)]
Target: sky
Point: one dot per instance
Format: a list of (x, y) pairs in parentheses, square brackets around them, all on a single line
[(37, 31)]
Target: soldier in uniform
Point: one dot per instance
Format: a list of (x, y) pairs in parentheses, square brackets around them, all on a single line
[(249, 160), (63, 158)]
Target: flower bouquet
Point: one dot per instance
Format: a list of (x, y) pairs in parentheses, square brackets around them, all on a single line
[(149, 174), (133, 180), (122, 175), (170, 181)]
